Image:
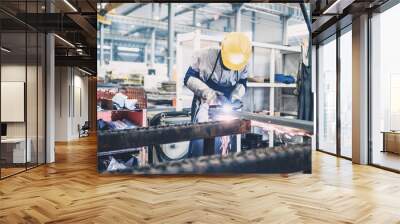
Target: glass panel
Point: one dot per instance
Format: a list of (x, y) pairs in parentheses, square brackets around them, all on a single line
[(32, 87), (41, 99), (327, 97), (13, 85), (385, 83), (31, 98), (346, 94)]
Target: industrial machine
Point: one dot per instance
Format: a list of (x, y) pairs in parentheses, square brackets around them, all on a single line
[(176, 150)]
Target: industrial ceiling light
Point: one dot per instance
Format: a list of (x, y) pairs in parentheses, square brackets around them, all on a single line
[(65, 41), (5, 50), (128, 49), (79, 51), (70, 5)]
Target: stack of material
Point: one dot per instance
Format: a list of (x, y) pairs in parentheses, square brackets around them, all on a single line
[(164, 95), (135, 79), (139, 94), (169, 86), (259, 79)]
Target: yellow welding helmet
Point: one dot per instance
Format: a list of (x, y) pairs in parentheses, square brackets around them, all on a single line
[(235, 50)]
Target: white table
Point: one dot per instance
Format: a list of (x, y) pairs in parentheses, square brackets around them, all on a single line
[(19, 153)]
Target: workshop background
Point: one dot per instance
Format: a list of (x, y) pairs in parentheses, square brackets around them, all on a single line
[(143, 107)]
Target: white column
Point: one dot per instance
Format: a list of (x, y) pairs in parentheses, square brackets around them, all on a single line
[(360, 90), (50, 98)]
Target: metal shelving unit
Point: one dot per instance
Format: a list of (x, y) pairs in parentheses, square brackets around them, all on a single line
[(194, 39)]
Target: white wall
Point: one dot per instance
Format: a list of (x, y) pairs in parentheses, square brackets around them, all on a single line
[(33, 126), (71, 102)]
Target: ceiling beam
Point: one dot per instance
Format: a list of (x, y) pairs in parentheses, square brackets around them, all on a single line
[(186, 10), (131, 8), (183, 11), (159, 25)]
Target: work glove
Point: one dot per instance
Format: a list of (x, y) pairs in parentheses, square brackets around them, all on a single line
[(200, 89), (238, 92)]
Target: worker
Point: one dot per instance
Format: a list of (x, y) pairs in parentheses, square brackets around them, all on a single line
[(217, 74)]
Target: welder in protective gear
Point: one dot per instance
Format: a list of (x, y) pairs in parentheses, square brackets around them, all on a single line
[(216, 73)]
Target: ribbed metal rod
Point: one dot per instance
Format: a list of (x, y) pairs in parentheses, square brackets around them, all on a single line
[(283, 159), (155, 135)]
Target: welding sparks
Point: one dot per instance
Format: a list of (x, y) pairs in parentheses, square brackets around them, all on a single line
[(289, 132), (224, 117), (227, 108)]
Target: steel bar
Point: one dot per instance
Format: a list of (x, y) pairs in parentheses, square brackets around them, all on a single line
[(282, 159), (155, 135), (307, 126), (110, 153)]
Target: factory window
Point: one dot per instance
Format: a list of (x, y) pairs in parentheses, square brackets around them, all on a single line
[(327, 96), (385, 89)]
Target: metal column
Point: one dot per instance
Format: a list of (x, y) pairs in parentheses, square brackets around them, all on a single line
[(194, 19), (228, 24), (171, 34), (112, 50), (238, 19), (272, 94), (153, 38), (101, 43), (285, 20), (153, 47), (145, 54)]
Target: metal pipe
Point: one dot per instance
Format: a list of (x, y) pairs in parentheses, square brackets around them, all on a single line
[(281, 121)]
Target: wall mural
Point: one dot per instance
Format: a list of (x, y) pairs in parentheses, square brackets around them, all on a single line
[(210, 102)]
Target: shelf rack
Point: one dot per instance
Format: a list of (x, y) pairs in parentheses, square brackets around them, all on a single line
[(194, 39)]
